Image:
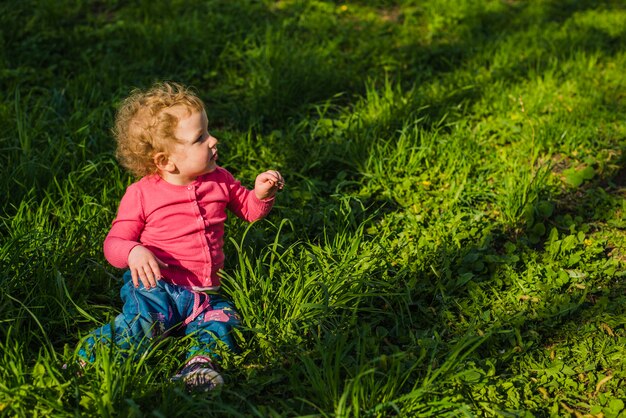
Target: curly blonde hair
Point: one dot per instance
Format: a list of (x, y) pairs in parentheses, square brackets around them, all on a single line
[(144, 127)]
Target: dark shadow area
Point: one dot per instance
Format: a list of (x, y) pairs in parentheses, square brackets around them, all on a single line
[(276, 81)]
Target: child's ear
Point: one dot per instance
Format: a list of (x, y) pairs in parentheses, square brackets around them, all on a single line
[(163, 163)]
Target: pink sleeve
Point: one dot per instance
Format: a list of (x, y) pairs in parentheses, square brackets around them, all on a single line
[(126, 229), (245, 204)]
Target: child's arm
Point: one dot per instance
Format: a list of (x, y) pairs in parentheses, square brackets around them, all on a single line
[(253, 205), (122, 246)]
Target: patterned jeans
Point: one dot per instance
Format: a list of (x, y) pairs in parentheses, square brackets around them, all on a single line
[(151, 314)]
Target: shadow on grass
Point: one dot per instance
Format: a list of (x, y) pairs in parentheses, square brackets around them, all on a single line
[(255, 65)]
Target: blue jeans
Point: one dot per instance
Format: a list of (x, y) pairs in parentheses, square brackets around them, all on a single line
[(150, 314)]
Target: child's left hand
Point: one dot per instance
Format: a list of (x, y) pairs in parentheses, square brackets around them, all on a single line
[(267, 184)]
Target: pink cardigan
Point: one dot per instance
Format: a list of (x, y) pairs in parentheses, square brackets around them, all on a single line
[(182, 225)]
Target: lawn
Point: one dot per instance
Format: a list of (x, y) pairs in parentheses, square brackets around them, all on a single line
[(451, 239)]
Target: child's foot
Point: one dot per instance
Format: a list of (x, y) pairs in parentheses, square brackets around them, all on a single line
[(199, 374), (80, 367)]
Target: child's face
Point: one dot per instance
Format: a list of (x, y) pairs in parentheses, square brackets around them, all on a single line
[(196, 152)]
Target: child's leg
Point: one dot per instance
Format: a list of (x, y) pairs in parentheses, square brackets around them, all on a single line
[(146, 314), (212, 325)]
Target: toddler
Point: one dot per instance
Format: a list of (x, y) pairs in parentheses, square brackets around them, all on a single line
[(169, 229)]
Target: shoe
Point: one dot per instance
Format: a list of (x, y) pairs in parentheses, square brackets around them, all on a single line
[(199, 375), (80, 366)]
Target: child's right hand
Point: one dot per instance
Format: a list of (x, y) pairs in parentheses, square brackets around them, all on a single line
[(144, 266)]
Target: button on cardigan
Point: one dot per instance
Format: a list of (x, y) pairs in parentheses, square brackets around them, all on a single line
[(182, 225)]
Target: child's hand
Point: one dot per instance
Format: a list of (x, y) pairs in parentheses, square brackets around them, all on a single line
[(267, 184), (144, 266)]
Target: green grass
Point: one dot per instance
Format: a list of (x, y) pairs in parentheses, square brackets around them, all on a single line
[(451, 239)]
